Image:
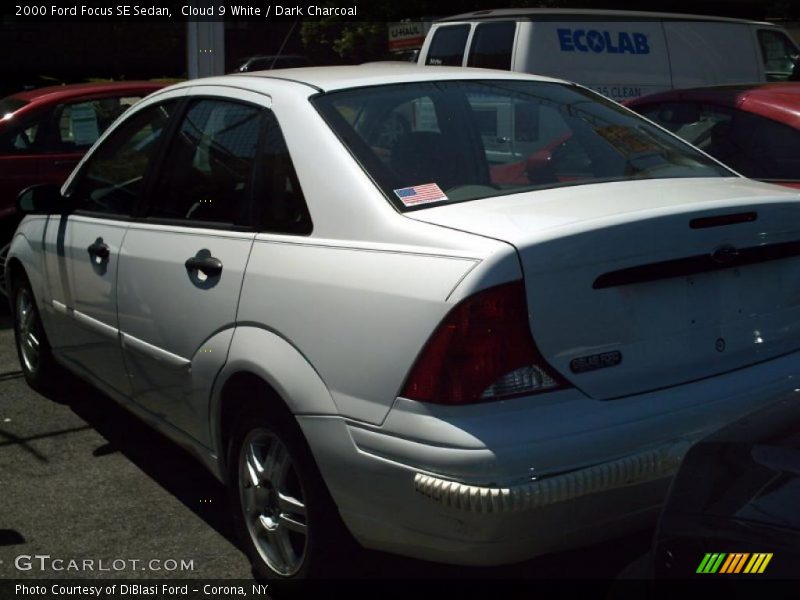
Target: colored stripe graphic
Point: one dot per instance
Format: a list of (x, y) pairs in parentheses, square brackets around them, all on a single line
[(734, 563)]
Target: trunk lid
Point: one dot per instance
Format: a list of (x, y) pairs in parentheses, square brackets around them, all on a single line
[(640, 285)]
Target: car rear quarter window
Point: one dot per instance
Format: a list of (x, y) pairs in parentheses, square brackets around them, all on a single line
[(447, 46), (207, 174), (280, 203), (492, 45), (112, 180)]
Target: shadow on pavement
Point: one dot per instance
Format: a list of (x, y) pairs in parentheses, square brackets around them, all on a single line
[(166, 463), (11, 537), (5, 314)]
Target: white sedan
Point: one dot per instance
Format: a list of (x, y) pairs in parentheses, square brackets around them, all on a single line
[(464, 315)]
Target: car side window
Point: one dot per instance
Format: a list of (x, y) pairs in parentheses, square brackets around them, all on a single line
[(208, 172), (778, 54), (78, 125), (282, 204), (492, 45), (447, 46), (111, 181)]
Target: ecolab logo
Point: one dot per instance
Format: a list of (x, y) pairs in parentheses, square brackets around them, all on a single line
[(581, 40)]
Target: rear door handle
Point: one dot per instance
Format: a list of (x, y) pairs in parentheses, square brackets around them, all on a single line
[(99, 249), (207, 264)]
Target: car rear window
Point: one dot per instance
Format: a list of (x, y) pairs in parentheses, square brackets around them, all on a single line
[(453, 141)]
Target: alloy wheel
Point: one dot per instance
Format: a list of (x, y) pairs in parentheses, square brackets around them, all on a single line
[(273, 502), (29, 330)]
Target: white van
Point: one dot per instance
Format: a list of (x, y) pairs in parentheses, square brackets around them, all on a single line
[(621, 54)]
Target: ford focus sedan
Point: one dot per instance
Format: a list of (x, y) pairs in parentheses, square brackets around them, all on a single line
[(326, 285)]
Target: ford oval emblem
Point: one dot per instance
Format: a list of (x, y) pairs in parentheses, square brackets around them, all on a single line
[(724, 255)]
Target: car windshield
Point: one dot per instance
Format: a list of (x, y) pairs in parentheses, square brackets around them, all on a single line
[(452, 141), (10, 105)]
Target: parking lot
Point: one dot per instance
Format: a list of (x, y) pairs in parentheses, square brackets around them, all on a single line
[(81, 479)]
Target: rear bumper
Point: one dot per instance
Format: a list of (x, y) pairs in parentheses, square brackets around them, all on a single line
[(502, 482)]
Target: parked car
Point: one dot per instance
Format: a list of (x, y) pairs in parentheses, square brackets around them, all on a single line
[(44, 133), (272, 61), (365, 334), (754, 129), (732, 508), (621, 54)]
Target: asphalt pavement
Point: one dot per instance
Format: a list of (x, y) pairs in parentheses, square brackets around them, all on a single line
[(81, 480)]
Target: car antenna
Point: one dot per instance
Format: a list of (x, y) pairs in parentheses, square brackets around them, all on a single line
[(283, 44)]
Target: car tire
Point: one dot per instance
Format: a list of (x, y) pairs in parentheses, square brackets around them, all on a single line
[(285, 516), (39, 368)]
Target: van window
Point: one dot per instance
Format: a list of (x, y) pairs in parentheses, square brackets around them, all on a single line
[(447, 46), (778, 54), (492, 44)]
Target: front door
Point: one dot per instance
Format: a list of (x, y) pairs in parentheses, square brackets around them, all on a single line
[(82, 248)]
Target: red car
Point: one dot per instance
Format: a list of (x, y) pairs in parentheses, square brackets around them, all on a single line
[(754, 129), (45, 132)]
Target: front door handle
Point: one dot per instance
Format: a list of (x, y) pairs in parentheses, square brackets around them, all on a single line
[(99, 249), (207, 264)]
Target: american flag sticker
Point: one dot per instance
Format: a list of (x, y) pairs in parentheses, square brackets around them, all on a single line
[(420, 194)]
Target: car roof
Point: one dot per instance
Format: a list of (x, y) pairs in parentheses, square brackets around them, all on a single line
[(776, 101), (325, 79), (63, 92), (578, 14)]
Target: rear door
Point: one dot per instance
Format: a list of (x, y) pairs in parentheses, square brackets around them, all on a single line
[(182, 264), (446, 45)]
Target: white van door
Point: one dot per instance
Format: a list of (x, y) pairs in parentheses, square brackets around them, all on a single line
[(621, 59), (704, 53)]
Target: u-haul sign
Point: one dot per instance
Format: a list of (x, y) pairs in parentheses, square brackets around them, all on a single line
[(407, 35)]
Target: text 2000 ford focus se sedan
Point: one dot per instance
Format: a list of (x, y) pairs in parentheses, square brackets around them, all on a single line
[(471, 316)]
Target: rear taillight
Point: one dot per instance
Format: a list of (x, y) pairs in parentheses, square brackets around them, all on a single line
[(482, 351)]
